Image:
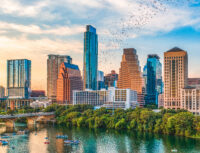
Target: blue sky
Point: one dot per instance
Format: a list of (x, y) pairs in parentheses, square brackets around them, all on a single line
[(35, 28)]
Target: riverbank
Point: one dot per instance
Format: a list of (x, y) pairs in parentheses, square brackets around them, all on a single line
[(171, 122)]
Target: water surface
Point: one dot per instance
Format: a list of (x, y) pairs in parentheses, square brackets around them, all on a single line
[(95, 141)]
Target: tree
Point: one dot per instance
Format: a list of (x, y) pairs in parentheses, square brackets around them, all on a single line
[(121, 124)]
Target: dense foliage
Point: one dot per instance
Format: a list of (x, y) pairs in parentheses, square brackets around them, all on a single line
[(20, 111), (172, 122)]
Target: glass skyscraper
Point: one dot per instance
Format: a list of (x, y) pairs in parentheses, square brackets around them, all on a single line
[(152, 74), (18, 78), (100, 79), (90, 60)]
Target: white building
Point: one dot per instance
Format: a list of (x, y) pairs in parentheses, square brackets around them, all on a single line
[(190, 99), (113, 97), (40, 103)]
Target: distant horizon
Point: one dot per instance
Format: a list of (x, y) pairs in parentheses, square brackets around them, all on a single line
[(46, 27)]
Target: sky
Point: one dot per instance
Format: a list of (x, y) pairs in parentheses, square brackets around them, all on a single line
[(33, 29)]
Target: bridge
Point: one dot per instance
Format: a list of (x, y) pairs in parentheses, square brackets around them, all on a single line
[(32, 118)]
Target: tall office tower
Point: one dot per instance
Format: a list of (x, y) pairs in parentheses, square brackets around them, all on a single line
[(18, 78), (69, 79), (100, 80), (130, 74), (90, 60), (175, 76), (53, 66), (2, 92), (152, 74), (111, 79)]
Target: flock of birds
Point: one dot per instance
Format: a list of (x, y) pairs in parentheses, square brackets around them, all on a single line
[(139, 15)]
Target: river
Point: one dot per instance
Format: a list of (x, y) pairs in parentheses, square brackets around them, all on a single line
[(94, 141)]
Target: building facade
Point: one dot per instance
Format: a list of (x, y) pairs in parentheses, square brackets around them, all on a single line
[(130, 75), (2, 92), (90, 59), (100, 79), (18, 78), (190, 99), (111, 98), (194, 82), (53, 66), (152, 74), (110, 80), (14, 104), (38, 93), (175, 77), (69, 79), (160, 100)]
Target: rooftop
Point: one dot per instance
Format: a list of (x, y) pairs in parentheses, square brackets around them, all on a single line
[(153, 56), (175, 49), (71, 66), (90, 28)]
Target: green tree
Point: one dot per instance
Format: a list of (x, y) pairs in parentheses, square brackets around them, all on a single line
[(121, 124)]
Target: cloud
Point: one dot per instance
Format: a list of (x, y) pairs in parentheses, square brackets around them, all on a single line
[(44, 46), (17, 8), (36, 30), (36, 51)]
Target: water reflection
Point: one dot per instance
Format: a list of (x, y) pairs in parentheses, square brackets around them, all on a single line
[(93, 141)]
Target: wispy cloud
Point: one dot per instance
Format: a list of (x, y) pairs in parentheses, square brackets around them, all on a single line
[(37, 30), (17, 8)]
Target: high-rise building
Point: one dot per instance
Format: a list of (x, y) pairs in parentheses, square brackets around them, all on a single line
[(175, 77), (100, 79), (69, 79), (111, 79), (53, 66), (18, 78), (130, 75), (152, 74), (90, 58), (2, 92)]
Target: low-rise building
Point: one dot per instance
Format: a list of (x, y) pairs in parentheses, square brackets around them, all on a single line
[(190, 99), (40, 103), (18, 103), (111, 98)]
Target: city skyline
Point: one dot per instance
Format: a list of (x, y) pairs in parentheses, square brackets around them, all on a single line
[(30, 35)]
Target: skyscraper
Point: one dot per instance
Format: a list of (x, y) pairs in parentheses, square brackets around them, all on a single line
[(100, 79), (90, 60), (152, 74), (18, 78), (53, 66), (69, 79), (175, 76), (130, 73)]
